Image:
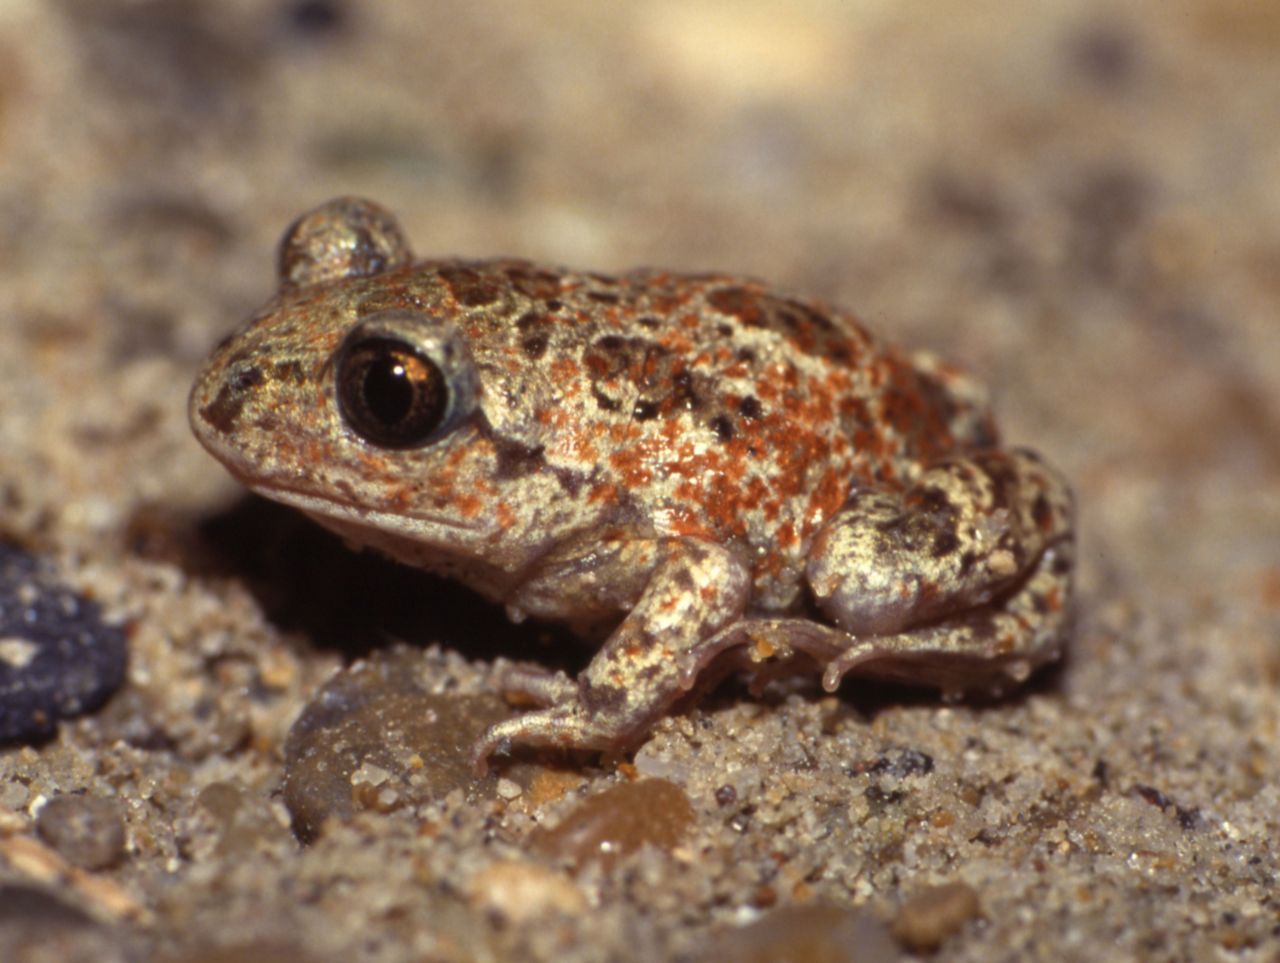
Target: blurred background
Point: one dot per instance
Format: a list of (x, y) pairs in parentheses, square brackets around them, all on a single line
[(1077, 200)]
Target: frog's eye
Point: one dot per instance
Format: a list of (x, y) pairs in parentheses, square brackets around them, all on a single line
[(402, 380)]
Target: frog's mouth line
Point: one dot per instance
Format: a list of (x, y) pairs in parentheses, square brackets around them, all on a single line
[(320, 506)]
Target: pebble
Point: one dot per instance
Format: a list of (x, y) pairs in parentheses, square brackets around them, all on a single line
[(58, 659), (609, 825), (926, 920), (807, 934), (374, 739), (36, 926), (227, 821), (87, 831), (522, 892)]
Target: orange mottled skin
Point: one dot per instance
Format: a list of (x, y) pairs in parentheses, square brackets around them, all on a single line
[(697, 467)]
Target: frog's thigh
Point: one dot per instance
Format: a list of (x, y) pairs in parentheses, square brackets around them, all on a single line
[(966, 533), (696, 588)]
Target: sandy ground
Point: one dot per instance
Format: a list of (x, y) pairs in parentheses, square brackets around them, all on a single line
[(1078, 201)]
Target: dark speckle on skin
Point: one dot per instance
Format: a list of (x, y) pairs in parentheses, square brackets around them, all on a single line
[(604, 401), (516, 460), (534, 345), (1041, 512), (612, 343), (601, 698), (684, 580), (738, 302), (469, 287), (534, 283), (934, 500), (683, 391), (723, 427), (291, 371), (945, 543)]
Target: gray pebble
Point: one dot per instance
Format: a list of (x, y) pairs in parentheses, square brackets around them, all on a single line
[(86, 830)]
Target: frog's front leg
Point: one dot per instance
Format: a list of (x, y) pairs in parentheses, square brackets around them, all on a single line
[(963, 575), (694, 589)]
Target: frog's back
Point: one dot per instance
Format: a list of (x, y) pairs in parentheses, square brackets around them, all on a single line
[(701, 404)]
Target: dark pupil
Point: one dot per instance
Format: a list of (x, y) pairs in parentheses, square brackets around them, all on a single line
[(390, 394), (387, 390)]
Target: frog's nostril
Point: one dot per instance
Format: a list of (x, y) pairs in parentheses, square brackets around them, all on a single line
[(222, 412)]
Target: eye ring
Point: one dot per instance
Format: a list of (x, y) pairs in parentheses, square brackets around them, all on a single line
[(403, 379)]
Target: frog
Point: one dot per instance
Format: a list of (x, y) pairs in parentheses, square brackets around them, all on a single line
[(696, 473)]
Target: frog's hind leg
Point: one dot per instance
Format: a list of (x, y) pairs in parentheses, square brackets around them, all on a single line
[(989, 646), (962, 576)]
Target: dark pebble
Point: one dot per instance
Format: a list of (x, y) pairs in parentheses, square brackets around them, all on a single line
[(374, 739), (57, 657), (87, 830)]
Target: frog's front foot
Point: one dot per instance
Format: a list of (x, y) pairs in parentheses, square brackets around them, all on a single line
[(694, 590), (566, 725), (559, 722)]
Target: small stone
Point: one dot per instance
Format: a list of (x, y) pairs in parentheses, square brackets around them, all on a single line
[(87, 831), (229, 821), (807, 934), (524, 891), (14, 795), (57, 657), (373, 739), (619, 821), (548, 785), (509, 789), (933, 914)]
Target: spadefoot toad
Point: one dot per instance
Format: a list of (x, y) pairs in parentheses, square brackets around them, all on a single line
[(695, 469)]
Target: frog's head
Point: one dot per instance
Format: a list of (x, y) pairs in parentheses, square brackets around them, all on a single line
[(356, 397)]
